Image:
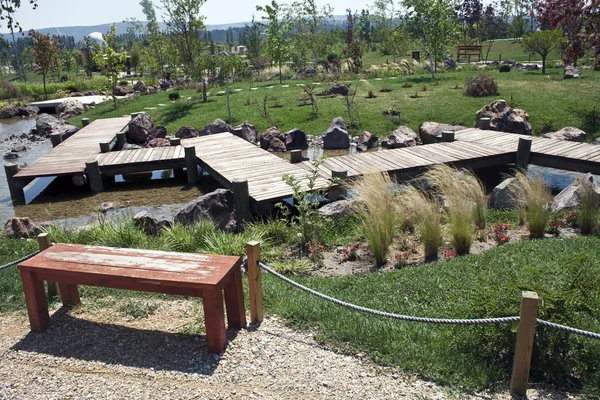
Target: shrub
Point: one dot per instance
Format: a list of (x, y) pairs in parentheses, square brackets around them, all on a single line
[(376, 207), (8, 91), (533, 196), (481, 86), (504, 68), (64, 78), (123, 82), (174, 96), (71, 87)]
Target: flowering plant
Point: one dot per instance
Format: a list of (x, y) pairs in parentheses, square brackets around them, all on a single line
[(500, 233), (449, 254), (401, 259), (350, 254), (573, 220), (315, 251)]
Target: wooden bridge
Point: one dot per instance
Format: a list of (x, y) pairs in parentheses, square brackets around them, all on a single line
[(230, 159)]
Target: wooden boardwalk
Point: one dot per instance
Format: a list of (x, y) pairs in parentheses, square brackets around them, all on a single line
[(70, 156)]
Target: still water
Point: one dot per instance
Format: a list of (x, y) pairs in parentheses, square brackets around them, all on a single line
[(56, 200)]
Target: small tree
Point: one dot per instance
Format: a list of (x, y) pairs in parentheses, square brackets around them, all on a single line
[(45, 51), (277, 31), (542, 43), (109, 61)]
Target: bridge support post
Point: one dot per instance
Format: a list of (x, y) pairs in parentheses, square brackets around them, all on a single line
[(56, 139), (175, 141), (85, 122), (485, 123), (338, 191), (524, 347), (120, 140), (523, 153), (448, 136), (17, 194), (254, 282), (296, 156), (191, 163), (94, 176), (241, 195), (104, 147)]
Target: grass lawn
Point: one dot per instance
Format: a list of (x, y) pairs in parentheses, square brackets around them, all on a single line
[(550, 101)]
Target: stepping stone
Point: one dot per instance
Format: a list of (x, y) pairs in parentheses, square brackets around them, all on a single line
[(300, 84), (269, 87), (150, 108), (237, 90), (188, 98), (317, 83), (393, 77), (253, 88), (285, 86), (161, 105), (221, 93), (377, 79), (362, 80)]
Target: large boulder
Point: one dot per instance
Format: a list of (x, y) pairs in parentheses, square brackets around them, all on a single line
[(276, 145), (570, 197), (140, 87), (119, 91), (569, 133), (217, 126), (139, 129), (17, 228), (12, 111), (149, 224), (47, 125), (505, 118), (305, 73), (186, 132), (449, 63), (296, 140), (505, 194), (246, 131), (217, 206), (269, 135), (160, 132), (336, 136), (339, 208), (401, 137), (70, 108), (366, 141), (571, 72), (339, 88), (158, 142), (431, 132)]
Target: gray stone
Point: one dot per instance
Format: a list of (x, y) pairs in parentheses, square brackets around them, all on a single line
[(186, 132), (139, 129), (431, 132), (366, 141), (70, 108), (339, 88), (217, 126), (149, 224), (336, 136), (217, 206), (569, 198), (140, 87), (158, 142), (246, 131), (18, 148), (572, 72), (305, 73), (276, 145), (296, 140), (131, 146), (339, 208), (504, 195), (449, 63), (12, 111), (402, 137), (268, 135), (18, 228), (505, 118), (119, 91), (46, 125), (11, 156), (569, 133)]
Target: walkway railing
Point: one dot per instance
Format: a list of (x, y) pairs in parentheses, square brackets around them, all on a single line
[(525, 334)]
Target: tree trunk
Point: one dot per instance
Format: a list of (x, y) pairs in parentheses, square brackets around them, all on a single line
[(45, 93), (280, 76), (543, 65), (431, 67)]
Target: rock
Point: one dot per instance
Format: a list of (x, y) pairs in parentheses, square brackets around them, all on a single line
[(276, 145), (180, 81), (296, 140), (449, 63), (18, 148), (70, 108), (339, 88), (402, 137), (46, 125), (149, 224), (305, 73), (91, 93), (11, 156), (217, 126), (504, 195), (18, 228), (569, 198), (217, 206), (572, 72), (431, 132), (569, 133), (336, 136), (139, 86), (246, 131), (138, 176), (12, 111), (119, 91), (186, 132), (160, 132), (105, 206), (158, 142), (505, 118), (268, 135), (131, 146), (366, 141), (339, 208), (166, 84), (139, 129)]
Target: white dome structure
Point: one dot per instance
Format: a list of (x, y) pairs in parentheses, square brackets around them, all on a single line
[(96, 37)]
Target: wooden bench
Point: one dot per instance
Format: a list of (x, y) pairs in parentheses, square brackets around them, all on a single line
[(468, 51), (198, 275)]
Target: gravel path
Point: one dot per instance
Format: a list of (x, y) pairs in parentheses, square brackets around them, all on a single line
[(96, 352)]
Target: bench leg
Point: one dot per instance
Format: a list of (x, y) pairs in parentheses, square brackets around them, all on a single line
[(234, 300), (37, 305), (214, 320), (69, 294)]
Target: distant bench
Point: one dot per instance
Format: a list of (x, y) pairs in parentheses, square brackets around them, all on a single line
[(468, 51), (196, 275)]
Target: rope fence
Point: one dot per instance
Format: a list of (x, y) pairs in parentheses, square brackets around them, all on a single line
[(27, 257)]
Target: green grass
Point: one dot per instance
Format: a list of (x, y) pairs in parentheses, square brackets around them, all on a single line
[(441, 103)]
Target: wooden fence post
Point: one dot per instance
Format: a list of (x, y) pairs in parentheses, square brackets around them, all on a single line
[(121, 140), (85, 122), (524, 347), (296, 156), (448, 136), (94, 176), (523, 153), (174, 141), (45, 242), (485, 123), (254, 282), (239, 187), (104, 147), (17, 194), (56, 139), (191, 163), (338, 191)]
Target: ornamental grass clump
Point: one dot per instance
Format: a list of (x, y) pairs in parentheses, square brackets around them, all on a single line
[(376, 207), (466, 203), (589, 201), (425, 213), (533, 197)]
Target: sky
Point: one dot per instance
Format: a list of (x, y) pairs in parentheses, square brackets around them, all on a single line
[(57, 13)]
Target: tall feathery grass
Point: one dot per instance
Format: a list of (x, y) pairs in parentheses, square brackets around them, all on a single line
[(533, 197), (467, 203), (426, 215), (589, 200), (377, 210)]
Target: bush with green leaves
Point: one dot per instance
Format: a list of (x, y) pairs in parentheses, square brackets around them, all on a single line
[(504, 68), (174, 96), (481, 86)]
